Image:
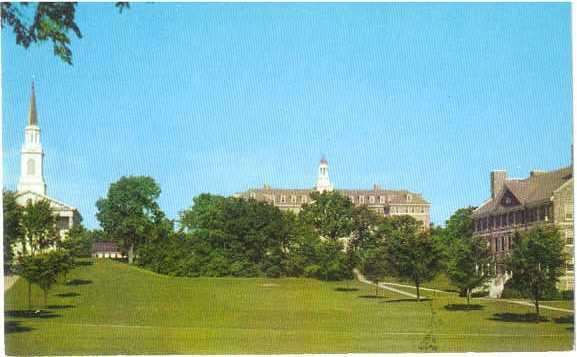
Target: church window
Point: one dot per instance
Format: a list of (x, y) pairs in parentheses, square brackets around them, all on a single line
[(31, 167)]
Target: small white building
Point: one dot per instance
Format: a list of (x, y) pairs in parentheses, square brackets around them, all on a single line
[(106, 250)]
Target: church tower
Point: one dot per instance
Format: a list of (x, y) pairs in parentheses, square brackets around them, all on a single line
[(323, 181), (32, 155)]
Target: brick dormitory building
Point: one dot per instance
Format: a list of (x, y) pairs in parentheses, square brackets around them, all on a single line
[(383, 201), (543, 198)]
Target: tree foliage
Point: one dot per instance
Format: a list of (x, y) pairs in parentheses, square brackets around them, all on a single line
[(46, 21), (130, 214), (39, 227), (470, 264), (536, 262), (330, 214), (411, 253), (44, 269), (12, 215)]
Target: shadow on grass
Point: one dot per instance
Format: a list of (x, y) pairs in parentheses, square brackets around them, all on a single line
[(567, 319), (406, 300), (58, 307), (68, 294), (463, 307), (32, 314), (15, 327), (346, 289), (511, 317), (371, 297), (76, 282)]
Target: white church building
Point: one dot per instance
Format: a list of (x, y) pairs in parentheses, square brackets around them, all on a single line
[(32, 186)]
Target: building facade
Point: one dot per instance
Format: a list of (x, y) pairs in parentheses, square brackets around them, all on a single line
[(543, 198), (383, 201), (31, 185)]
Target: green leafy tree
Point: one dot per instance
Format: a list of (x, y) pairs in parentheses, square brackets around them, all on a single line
[(47, 21), (39, 228), (13, 232), (536, 262), (44, 269), (130, 214), (330, 214), (374, 266), (411, 254), (470, 264), (459, 226), (78, 241)]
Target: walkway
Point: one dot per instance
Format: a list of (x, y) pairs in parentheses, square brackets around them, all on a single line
[(362, 279), (387, 286)]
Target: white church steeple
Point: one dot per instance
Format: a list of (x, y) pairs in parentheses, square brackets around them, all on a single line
[(32, 155), (323, 181)]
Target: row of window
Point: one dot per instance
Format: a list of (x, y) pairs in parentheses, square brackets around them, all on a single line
[(359, 200), (513, 218)]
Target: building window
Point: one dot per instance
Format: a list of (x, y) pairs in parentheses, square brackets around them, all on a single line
[(361, 199), (568, 212), (303, 199), (371, 199), (569, 237), (293, 198), (282, 199), (409, 198), (382, 199)]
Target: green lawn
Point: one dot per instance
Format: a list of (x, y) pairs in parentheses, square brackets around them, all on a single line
[(111, 308)]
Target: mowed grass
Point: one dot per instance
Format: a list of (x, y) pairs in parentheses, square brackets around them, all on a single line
[(113, 308)]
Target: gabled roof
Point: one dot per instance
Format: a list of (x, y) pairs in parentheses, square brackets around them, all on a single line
[(536, 188), (103, 247), (50, 199)]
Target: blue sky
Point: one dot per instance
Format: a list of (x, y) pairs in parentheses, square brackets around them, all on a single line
[(219, 98)]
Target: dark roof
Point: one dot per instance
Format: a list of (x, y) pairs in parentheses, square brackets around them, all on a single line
[(535, 188), (104, 247)]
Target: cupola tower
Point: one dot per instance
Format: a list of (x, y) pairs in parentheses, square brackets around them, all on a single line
[(323, 181)]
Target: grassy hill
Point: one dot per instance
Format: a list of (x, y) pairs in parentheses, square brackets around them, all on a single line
[(113, 308)]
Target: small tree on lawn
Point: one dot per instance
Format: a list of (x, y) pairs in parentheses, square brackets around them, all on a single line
[(44, 269), (470, 264), (374, 266), (411, 254), (536, 262)]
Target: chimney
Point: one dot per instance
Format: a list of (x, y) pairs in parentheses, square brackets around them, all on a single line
[(498, 178), (536, 173)]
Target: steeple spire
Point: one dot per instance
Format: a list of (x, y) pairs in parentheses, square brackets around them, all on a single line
[(32, 116)]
